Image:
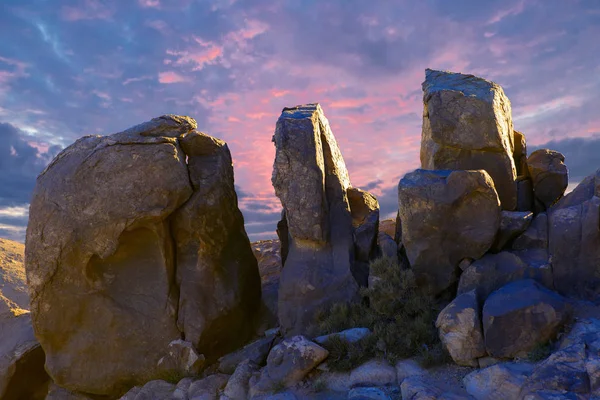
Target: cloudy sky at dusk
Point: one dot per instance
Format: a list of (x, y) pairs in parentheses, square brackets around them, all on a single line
[(75, 67)]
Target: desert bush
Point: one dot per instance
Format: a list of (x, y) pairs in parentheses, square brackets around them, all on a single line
[(540, 352), (401, 317)]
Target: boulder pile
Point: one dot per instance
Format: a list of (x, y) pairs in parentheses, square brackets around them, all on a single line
[(143, 283)]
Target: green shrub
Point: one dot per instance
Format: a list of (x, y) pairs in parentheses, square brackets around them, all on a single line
[(540, 352), (401, 317)]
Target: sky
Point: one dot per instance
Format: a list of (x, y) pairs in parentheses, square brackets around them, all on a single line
[(74, 67)]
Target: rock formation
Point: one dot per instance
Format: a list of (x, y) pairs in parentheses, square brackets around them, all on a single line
[(22, 374), (447, 216), (574, 240), (311, 180), (135, 240), (467, 124)]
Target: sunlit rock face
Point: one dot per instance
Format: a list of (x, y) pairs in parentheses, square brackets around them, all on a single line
[(467, 124), (447, 216), (135, 240), (311, 180), (22, 374)]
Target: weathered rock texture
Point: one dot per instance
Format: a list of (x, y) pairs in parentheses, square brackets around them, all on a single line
[(548, 174), (130, 247), (446, 216), (467, 124), (311, 180), (520, 316), (459, 327), (574, 240), (22, 374)]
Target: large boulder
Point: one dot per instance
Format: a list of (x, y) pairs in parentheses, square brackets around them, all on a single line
[(133, 242), (467, 124), (311, 180), (493, 271), (217, 272), (446, 216), (574, 240), (548, 174), (521, 315), (459, 326), (22, 374)]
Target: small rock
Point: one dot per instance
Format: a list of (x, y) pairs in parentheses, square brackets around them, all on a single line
[(153, 390), (423, 388), (208, 387), (498, 382), (520, 316), (288, 363), (368, 393), (373, 373), (349, 335), (407, 368), (237, 387), (256, 352), (459, 327), (182, 358)]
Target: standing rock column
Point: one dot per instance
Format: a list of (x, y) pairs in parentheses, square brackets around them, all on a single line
[(467, 125), (311, 180)]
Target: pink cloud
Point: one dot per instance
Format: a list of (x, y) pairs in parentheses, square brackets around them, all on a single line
[(516, 9), (159, 25), (136, 79), (170, 77), (149, 3), (207, 54), (90, 9)]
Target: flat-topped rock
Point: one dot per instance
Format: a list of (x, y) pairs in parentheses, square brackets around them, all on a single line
[(467, 124)]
